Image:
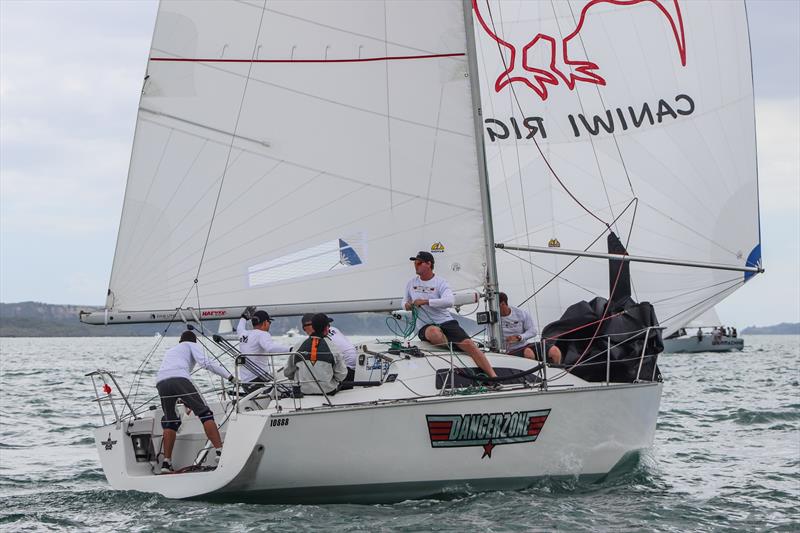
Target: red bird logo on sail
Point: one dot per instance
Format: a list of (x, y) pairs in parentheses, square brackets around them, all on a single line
[(562, 68)]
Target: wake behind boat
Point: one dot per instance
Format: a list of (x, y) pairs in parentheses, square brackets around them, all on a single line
[(292, 154)]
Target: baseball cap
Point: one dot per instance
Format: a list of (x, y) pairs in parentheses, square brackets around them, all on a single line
[(319, 321), (306, 320), (259, 317), (423, 256)]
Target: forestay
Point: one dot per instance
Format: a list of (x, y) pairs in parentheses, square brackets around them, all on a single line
[(292, 152), (643, 115)]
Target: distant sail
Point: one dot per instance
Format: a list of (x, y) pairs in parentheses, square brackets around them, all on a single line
[(643, 111), (270, 133)]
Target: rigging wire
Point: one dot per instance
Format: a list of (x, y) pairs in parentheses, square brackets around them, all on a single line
[(634, 201)]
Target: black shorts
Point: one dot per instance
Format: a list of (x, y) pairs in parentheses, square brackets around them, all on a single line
[(170, 390), (452, 331), (535, 346)]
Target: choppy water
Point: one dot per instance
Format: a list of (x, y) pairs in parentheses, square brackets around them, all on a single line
[(726, 457)]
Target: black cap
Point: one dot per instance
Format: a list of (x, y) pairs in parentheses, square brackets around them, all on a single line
[(259, 317), (319, 322), (188, 336), (423, 256), (306, 320)]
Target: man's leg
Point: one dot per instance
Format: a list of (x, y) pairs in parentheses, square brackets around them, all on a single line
[(169, 443), (212, 432), (527, 353), (435, 336), (478, 356), (554, 354)]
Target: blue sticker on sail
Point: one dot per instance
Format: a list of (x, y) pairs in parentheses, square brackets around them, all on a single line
[(321, 259), (347, 255), (753, 260)]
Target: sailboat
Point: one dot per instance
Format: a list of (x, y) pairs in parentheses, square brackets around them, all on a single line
[(705, 334), (291, 155)]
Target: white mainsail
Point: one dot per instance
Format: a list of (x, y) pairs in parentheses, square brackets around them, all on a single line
[(643, 112), (293, 152)]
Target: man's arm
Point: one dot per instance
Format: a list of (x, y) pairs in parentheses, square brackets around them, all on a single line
[(407, 298), (339, 367), (207, 363), (446, 298), (270, 346), (241, 327), (529, 327), (290, 369)]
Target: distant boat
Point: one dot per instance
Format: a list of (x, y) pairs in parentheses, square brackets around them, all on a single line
[(711, 340)]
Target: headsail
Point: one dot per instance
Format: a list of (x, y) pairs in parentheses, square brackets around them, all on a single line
[(292, 152), (636, 114)]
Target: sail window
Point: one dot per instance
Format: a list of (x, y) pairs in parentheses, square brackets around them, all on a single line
[(341, 253)]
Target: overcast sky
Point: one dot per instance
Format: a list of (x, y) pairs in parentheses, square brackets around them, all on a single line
[(70, 77)]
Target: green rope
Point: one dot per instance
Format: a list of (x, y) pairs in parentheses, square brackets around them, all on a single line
[(405, 330)]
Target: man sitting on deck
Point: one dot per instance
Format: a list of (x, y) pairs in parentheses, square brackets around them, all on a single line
[(519, 330), (432, 296), (318, 364), (174, 381), (347, 348)]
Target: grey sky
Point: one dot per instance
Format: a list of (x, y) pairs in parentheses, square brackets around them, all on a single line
[(70, 76)]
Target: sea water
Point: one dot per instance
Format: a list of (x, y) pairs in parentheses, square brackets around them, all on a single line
[(726, 457)]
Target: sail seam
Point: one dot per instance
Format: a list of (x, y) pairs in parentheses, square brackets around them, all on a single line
[(344, 60)]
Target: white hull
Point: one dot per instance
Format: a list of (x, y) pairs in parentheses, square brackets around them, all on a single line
[(706, 344), (386, 451)]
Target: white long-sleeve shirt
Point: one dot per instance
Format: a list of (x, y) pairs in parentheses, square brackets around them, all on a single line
[(344, 345), (439, 295), (179, 362), (255, 341), (518, 322)]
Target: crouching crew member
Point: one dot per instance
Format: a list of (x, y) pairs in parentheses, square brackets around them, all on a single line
[(318, 364), (174, 381), (347, 348), (519, 331)]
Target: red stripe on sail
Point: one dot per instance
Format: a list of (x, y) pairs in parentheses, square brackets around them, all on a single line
[(347, 60)]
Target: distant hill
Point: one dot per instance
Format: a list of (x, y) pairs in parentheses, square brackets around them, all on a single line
[(784, 328), (36, 319)]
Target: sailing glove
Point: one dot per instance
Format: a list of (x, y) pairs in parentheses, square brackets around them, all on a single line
[(248, 312)]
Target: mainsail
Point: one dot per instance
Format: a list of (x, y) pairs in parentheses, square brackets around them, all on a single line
[(294, 152), (633, 115)]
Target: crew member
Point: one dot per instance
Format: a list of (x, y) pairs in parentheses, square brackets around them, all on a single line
[(519, 331), (344, 345), (318, 364), (256, 341), (174, 381), (432, 296)]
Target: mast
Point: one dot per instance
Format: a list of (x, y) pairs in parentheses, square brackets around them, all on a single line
[(490, 284)]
